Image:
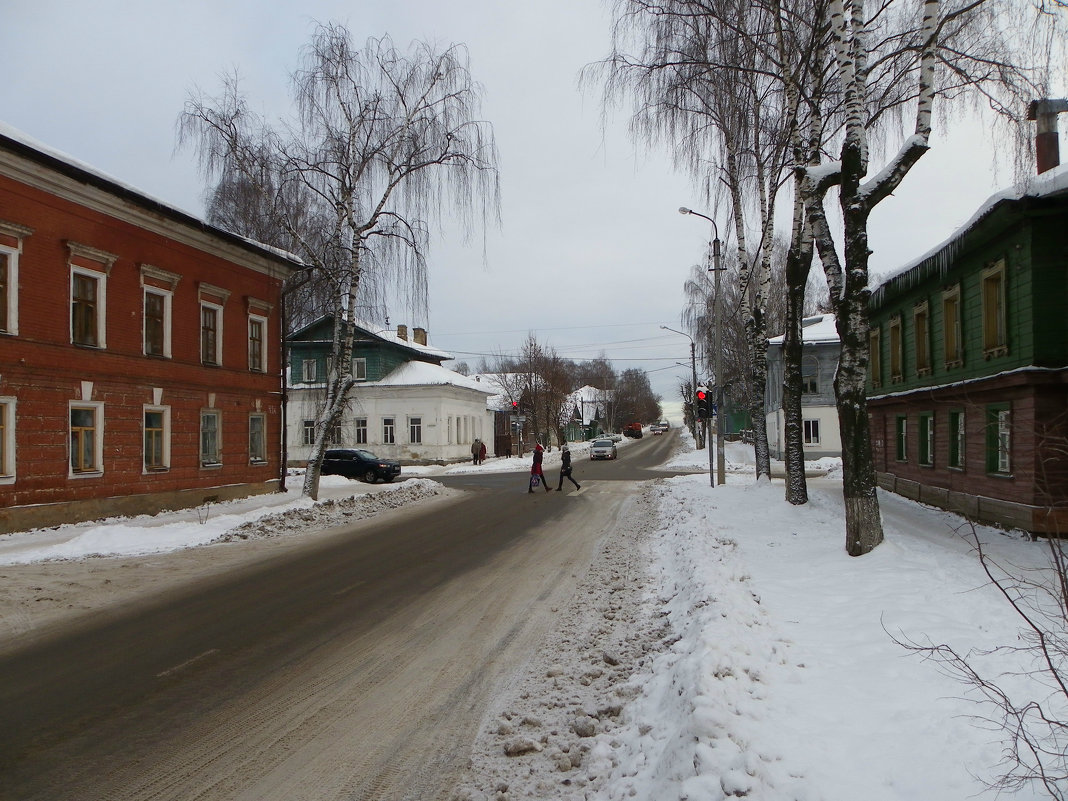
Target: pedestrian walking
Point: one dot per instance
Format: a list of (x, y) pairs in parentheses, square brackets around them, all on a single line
[(565, 469), (474, 451), (537, 475), (481, 452)]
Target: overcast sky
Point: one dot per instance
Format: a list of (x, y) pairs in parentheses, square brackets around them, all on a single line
[(592, 253)]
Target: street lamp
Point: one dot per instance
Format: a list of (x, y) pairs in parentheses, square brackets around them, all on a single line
[(693, 367), (717, 349)]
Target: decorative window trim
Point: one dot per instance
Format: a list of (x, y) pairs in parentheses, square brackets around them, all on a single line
[(212, 294), (897, 350), (264, 322), (206, 463), (1000, 347), (253, 457), (101, 278), (922, 338), (86, 253), (953, 360), (98, 441), (168, 305), (8, 463), (166, 440), (206, 304), (163, 279)]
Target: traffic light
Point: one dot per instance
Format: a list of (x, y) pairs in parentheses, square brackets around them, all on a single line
[(515, 407), (702, 403)]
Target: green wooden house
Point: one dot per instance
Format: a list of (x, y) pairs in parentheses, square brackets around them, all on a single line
[(968, 374)]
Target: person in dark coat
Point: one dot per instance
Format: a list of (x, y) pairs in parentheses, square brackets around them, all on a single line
[(535, 469), (565, 469), (474, 451), (481, 452)]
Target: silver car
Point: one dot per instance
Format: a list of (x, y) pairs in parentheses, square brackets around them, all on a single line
[(603, 449)]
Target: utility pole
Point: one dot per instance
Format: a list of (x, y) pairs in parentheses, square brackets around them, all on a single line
[(717, 346)]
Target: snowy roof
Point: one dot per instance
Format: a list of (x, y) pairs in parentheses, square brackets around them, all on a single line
[(1048, 184), (418, 374), (385, 335), (20, 143), (820, 328)]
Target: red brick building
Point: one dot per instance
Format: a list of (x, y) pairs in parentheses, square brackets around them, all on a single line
[(140, 355)]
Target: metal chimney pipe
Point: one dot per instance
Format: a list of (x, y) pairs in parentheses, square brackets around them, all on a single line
[(1047, 139)]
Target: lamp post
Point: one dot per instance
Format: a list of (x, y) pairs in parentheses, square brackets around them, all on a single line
[(693, 367), (717, 337)]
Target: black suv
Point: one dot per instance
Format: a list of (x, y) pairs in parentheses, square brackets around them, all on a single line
[(357, 463)]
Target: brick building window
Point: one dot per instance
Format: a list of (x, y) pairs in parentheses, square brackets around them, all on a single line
[(389, 429), (210, 436), (11, 236), (956, 439), (86, 439), (257, 344), (157, 451), (157, 323), (257, 438), (210, 334), (952, 345), (87, 301), (7, 440), (361, 430), (926, 454), (998, 439)]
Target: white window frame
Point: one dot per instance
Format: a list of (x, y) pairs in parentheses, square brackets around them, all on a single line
[(252, 456), (101, 279), (167, 296), (12, 255), (359, 369), (309, 370), (7, 440), (218, 332), (97, 409), (415, 430), (259, 318), (361, 430), (307, 428), (811, 431), (166, 412), (1004, 440), (389, 430), (218, 438)]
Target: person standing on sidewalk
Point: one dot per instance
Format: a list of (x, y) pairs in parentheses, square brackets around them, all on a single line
[(565, 469), (474, 451), (536, 472)]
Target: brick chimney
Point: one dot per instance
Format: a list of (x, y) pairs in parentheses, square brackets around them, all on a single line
[(1047, 139), (419, 335), (402, 332)]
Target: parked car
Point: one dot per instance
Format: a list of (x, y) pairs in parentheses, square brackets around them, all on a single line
[(603, 449), (358, 463), (613, 437)]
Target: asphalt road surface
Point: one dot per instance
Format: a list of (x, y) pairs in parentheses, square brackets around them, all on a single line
[(358, 667)]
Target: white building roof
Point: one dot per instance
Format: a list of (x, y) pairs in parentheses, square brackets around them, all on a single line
[(419, 374), (820, 328)]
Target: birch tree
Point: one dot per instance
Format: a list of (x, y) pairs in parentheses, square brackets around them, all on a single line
[(383, 144)]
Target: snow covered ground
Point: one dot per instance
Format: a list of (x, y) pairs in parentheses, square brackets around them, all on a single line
[(721, 645)]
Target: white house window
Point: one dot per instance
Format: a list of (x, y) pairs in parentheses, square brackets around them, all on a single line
[(415, 430), (7, 440), (210, 450), (361, 430), (257, 438), (86, 439), (812, 432), (810, 375), (389, 426), (157, 436), (308, 428)]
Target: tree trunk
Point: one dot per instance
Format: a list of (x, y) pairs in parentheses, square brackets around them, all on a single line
[(798, 264)]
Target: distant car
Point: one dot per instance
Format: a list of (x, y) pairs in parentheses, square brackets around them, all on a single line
[(361, 464), (633, 430), (659, 428), (603, 449)]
